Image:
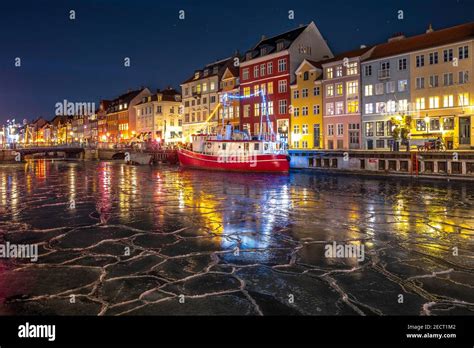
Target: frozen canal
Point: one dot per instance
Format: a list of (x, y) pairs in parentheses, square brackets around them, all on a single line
[(124, 240)]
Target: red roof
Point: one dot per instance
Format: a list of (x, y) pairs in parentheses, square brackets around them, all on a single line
[(433, 39)]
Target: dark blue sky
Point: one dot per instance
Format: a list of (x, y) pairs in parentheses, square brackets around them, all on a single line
[(82, 60)]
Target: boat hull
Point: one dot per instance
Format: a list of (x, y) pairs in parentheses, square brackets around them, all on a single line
[(257, 163)]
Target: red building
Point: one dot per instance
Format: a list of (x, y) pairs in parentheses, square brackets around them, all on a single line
[(266, 73)]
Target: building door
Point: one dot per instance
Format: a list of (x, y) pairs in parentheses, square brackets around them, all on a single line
[(464, 131), (316, 136)]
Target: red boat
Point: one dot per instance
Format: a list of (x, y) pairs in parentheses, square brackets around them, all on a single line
[(234, 155)]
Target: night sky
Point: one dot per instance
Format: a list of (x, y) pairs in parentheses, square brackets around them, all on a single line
[(81, 60)]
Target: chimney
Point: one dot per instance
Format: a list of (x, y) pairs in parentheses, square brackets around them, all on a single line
[(430, 29), (396, 37)]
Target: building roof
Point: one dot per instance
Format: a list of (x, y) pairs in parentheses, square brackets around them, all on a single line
[(430, 39), (168, 94), (348, 54), (270, 44), (124, 98), (213, 69)]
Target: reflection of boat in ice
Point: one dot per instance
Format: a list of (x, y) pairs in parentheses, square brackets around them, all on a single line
[(139, 158), (234, 155)]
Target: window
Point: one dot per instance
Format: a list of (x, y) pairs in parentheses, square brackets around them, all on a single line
[(304, 93), (380, 143), (330, 129), (420, 61), (402, 85), (353, 88), (340, 129), (316, 91), (420, 103), (282, 107), (380, 128), (158, 109), (263, 89), (352, 69), (304, 129), (339, 108), (402, 64), (262, 69), (448, 101), (213, 86), (368, 70), (379, 88), (255, 71), (281, 65), (296, 144), (256, 129), (385, 66), (316, 110), (330, 90), (448, 55), (330, 109), (368, 90), (380, 107), (269, 68), (420, 125), (246, 91), (369, 129), (463, 99), (282, 86), (339, 71), (306, 76), (463, 52), (204, 87), (296, 129), (280, 45), (246, 110), (391, 106), (296, 94), (448, 79), (448, 123), (390, 87), (434, 124), (212, 99), (434, 102), (304, 144), (353, 107), (256, 89), (420, 82), (339, 89), (270, 87), (296, 112), (434, 81), (329, 73), (433, 58), (403, 105), (256, 109), (305, 111), (463, 77), (369, 108), (270, 108)]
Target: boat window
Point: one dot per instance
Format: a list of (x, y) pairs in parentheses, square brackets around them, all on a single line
[(224, 146), (256, 146), (265, 146), (246, 146)]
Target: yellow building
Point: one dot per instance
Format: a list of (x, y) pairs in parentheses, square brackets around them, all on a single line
[(442, 92), (306, 107)]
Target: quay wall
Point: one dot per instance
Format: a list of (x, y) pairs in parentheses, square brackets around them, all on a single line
[(452, 164)]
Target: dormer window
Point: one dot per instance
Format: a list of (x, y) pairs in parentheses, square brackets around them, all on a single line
[(206, 72), (196, 75), (125, 105), (280, 45), (120, 107), (215, 70), (248, 55), (263, 51)]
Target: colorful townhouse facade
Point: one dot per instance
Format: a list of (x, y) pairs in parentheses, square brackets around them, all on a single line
[(200, 96), (386, 81), (159, 117), (229, 111), (266, 73), (121, 117), (306, 107), (442, 87), (342, 99)]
